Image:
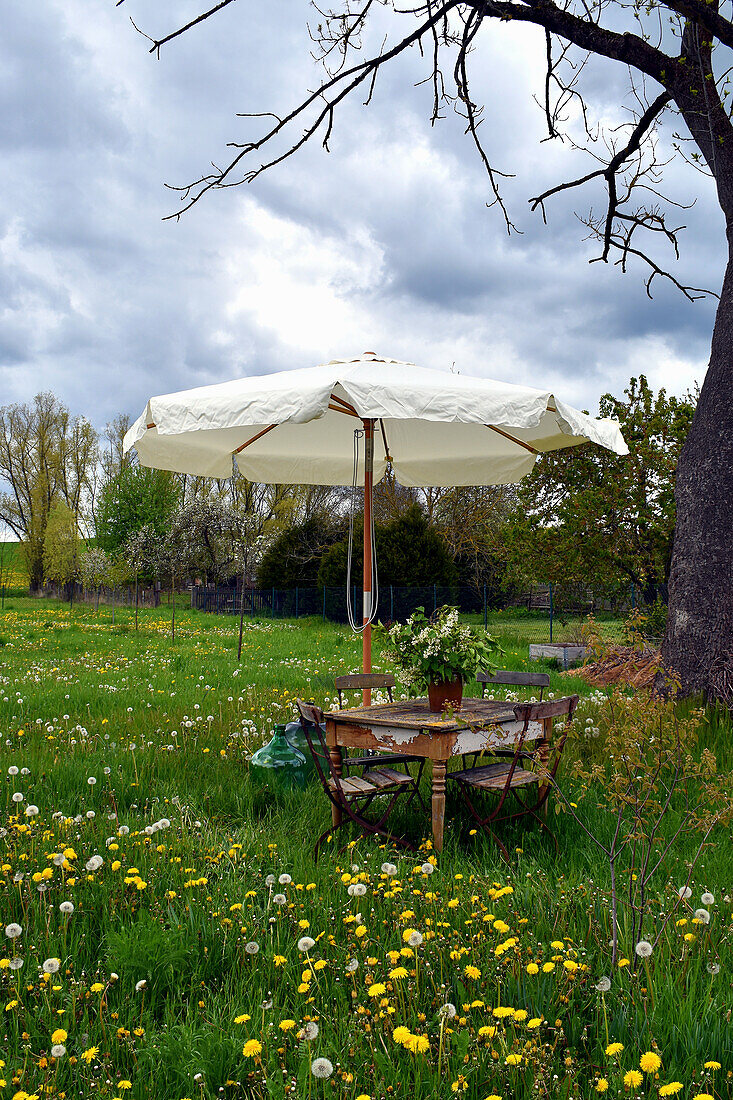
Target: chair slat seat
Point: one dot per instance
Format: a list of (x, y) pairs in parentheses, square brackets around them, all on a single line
[(493, 777), (379, 779)]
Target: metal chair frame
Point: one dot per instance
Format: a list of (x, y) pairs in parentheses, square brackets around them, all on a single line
[(515, 776), (353, 803)]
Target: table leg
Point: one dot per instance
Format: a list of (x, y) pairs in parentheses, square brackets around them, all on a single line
[(438, 803), (336, 756)]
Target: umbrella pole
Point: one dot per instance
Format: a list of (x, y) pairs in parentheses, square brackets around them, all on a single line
[(367, 605)]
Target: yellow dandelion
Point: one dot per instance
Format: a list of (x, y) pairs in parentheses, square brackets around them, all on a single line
[(650, 1062), (601, 1085), (252, 1048), (671, 1089), (632, 1079), (286, 1025), (613, 1049)]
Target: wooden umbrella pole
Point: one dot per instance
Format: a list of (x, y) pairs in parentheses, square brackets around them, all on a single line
[(367, 605)]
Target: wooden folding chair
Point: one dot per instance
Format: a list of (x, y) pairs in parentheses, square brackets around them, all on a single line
[(353, 795), (508, 678), (358, 681), (532, 764)]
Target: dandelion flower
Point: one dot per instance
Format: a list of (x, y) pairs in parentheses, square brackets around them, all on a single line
[(702, 915), (401, 1034), (601, 1085), (398, 973), (513, 1059), (389, 869), (321, 1067), (12, 931), (51, 966), (286, 1025), (242, 1019), (633, 1079), (31, 811), (377, 989), (67, 908), (643, 949), (614, 1048), (650, 1062), (284, 880), (124, 1085), (707, 898), (671, 1089), (419, 1044), (305, 943), (603, 984), (16, 963), (684, 892), (252, 1048), (447, 1011), (279, 899), (494, 1096), (251, 948), (309, 1031), (89, 1055), (703, 1096), (59, 1036), (58, 1050), (712, 1065), (412, 937), (97, 987), (139, 986), (533, 968), (472, 972)]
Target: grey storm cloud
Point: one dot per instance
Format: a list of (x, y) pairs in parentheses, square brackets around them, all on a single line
[(384, 243)]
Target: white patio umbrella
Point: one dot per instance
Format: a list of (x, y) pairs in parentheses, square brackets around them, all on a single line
[(298, 426)]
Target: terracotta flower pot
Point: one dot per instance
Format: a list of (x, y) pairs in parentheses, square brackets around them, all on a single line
[(445, 693)]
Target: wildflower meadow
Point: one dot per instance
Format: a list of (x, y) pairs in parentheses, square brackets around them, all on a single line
[(167, 933)]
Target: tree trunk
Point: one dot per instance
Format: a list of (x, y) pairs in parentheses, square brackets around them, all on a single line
[(698, 646)]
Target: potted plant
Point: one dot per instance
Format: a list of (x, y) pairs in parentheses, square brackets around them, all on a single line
[(439, 654)]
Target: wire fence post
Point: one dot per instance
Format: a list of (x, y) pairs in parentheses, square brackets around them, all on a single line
[(272, 608), (551, 611), (391, 603), (324, 603), (296, 601), (435, 598), (485, 611)]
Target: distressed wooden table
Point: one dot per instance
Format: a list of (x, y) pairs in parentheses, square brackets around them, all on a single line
[(411, 727)]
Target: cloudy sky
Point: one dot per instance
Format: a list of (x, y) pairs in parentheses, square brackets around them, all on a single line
[(383, 244)]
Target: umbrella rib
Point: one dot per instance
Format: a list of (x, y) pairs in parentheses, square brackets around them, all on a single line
[(254, 438), (346, 406), (387, 455), (512, 439), (346, 412)]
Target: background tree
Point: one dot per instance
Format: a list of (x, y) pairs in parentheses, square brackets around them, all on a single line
[(137, 497), (294, 556), (61, 548), (594, 516), (409, 552), (94, 568), (677, 53), (141, 550), (46, 455)]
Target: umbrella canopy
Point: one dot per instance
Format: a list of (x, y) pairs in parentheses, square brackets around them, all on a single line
[(434, 427), (437, 428)]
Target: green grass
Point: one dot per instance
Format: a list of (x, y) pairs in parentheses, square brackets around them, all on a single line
[(165, 729)]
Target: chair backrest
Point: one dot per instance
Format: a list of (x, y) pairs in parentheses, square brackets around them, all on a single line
[(361, 680), (517, 679), (536, 712), (311, 721)]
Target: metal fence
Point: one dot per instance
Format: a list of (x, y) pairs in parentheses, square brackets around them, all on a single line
[(542, 612)]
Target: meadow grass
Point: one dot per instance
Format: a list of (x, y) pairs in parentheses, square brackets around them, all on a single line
[(207, 955)]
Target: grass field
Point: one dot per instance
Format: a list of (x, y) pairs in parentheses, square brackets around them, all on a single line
[(207, 955)]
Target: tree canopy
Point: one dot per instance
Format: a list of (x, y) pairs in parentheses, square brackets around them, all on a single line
[(593, 514), (136, 497)]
